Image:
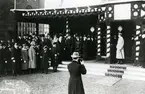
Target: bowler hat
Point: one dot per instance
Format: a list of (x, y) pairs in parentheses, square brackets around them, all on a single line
[(75, 55)]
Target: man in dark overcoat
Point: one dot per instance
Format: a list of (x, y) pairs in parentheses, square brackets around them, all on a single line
[(16, 59), (1, 60), (68, 48), (7, 59), (45, 59), (76, 68), (84, 48), (55, 55), (38, 53), (61, 49)]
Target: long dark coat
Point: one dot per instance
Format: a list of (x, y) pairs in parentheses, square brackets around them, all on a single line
[(85, 49), (16, 55), (1, 61), (38, 59), (8, 56), (75, 85), (55, 56), (68, 49), (25, 59), (61, 51), (45, 59)]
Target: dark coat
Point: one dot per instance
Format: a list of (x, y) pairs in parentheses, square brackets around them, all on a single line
[(8, 56), (38, 59), (55, 56), (25, 59), (45, 59), (16, 56), (75, 85), (1, 60), (68, 49), (85, 49), (61, 50)]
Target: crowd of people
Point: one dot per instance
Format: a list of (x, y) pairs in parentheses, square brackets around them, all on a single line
[(32, 53)]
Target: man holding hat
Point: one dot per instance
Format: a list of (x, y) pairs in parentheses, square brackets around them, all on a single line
[(76, 68)]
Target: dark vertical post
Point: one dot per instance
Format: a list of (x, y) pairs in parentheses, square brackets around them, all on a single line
[(37, 29)]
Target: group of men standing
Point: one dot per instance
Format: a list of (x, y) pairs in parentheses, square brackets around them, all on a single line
[(31, 53)]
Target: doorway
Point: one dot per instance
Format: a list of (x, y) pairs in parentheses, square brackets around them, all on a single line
[(128, 32)]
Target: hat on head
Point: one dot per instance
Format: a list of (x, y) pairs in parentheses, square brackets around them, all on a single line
[(32, 43), (120, 28), (45, 47), (75, 55), (54, 42)]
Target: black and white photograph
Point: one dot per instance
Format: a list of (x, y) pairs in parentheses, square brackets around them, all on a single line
[(72, 46)]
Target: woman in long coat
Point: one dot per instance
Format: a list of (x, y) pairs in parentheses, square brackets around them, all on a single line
[(75, 81), (120, 49), (32, 56)]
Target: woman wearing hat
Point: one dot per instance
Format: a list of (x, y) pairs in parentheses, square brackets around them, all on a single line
[(75, 69)]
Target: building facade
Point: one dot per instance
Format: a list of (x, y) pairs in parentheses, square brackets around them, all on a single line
[(6, 17), (102, 19)]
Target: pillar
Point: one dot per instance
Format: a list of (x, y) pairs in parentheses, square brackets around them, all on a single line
[(137, 42), (98, 47), (67, 26), (108, 42)]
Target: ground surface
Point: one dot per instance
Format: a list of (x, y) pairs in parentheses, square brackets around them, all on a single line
[(56, 83)]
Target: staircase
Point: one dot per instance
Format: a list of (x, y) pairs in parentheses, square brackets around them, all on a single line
[(116, 70)]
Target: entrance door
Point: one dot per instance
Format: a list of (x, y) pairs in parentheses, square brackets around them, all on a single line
[(127, 32)]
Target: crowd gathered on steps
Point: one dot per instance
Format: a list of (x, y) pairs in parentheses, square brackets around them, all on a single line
[(32, 53)]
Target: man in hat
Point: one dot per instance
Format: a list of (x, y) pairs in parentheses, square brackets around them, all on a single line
[(55, 56), (61, 48), (7, 58), (16, 59), (45, 59), (120, 47), (76, 68), (68, 47)]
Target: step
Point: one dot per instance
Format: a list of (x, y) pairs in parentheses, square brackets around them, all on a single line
[(116, 70), (132, 77), (118, 75), (136, 69), (118, 66)]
